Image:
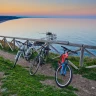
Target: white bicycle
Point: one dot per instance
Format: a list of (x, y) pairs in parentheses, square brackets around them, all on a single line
[(25, 50)]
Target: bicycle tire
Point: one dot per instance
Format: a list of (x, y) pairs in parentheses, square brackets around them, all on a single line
[(15, 63), (17, 57), (63, 83), (34, 66)]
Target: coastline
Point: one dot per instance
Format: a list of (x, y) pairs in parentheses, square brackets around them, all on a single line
[(6, 18)]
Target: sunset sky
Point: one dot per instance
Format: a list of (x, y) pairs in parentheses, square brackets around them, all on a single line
[(48, 7)]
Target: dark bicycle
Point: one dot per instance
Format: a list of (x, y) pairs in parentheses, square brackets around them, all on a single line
[(63, 74), (39, 59)]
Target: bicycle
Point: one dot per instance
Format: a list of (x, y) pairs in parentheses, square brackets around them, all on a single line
[(39, 59), (63, 74), (24, 49)]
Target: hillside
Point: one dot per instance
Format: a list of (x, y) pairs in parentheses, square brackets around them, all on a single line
[(5, 18)]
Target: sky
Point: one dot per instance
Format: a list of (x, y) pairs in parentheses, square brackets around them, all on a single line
[(48, 7)]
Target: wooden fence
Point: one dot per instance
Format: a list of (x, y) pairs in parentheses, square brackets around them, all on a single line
[(81, 47)]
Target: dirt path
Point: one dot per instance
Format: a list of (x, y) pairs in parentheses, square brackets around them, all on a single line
[(85, 86), (11, 57)]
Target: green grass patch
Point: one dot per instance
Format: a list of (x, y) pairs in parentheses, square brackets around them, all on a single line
[(18, 82), (89, 61), (87, 73), (7, 49)]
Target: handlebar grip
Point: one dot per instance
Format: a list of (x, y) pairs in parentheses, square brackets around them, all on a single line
[(64, 47), (17, 41)]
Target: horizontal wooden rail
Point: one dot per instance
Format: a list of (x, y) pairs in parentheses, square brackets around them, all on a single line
[(54, 42)]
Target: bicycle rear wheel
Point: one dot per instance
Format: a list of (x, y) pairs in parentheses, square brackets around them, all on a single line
[(34, 65), (63, 80)]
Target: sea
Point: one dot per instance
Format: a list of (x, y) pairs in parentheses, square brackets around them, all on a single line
[(79, 31)]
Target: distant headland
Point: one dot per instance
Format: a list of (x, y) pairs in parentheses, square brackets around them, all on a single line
[(6, 18)]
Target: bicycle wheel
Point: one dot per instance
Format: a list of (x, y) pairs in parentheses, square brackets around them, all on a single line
[(16, 58), (63, 80), (34, 65), (15, 63)]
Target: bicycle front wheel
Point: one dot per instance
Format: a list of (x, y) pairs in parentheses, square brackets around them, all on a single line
[(16, 58), (34, 65), (63, 80), (15, 63)]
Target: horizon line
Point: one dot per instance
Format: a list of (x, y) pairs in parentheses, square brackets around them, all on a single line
[(52, 16)]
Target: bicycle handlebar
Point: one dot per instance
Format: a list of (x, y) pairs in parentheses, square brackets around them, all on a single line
[(20, 42), (29, 44), (68, 50)]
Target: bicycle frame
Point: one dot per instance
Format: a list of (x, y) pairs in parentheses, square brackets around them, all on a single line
[(42, 53), (24, 49), (63, 63), (18, 55), (43, 50), (63, 67)]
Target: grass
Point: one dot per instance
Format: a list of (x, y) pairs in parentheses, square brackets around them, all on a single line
[(87, 73), (18, 82), (7, 49)]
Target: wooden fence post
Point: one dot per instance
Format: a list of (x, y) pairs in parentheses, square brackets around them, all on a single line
[(13, 43), (4, 42), (81, 56)]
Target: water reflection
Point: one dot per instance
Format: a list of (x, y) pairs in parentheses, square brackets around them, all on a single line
[(73, 30)]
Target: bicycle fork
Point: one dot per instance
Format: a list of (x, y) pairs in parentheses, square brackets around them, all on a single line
[(17, 57), (63, 69)]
